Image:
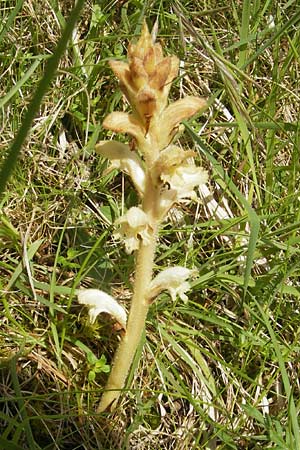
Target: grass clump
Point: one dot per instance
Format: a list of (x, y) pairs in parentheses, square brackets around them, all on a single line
[(220, 371)]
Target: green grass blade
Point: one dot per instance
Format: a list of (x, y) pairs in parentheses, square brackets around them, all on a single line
[(253, 217), (9, 445), (285, 378), (20, 83), (285, 27), (21, 403), (11, 19), (244, 31), (34, 105)]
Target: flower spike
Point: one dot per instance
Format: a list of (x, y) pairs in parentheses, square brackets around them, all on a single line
[(162, 173), (146, 81)]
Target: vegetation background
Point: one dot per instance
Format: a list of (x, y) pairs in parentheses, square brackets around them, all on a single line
[(220, 372)]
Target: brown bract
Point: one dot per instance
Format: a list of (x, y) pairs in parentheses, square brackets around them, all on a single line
[(146, 80)]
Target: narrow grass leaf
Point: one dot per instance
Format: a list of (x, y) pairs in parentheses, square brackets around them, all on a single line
[(285, 378), (19, 84), (20, 267), (11, 19), (21, 403), (8, 445), (244, 31), (285, 27), (253, 217), (41, 90)]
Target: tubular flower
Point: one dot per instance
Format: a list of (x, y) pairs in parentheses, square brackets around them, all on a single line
[(169, 159), (124, 159), (173, 280), (183, 179), (98, 302), (171, 168), (174, 114), (121, 122), (134, 229)]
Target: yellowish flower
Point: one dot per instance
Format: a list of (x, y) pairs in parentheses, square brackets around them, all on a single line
[(184, 179), (121, 122), (167, 124), (169, 159), (124, 159), (174, 281), (135, 229), (172, 169)]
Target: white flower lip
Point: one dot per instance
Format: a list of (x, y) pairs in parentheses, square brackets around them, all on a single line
[(98, 302), (134, 229), (124, 159), (173, 280), (183, 179)]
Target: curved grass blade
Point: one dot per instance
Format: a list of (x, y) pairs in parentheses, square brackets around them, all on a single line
[(25, 424), (253, 217), (51, 67), (11, 19), (293, 414)]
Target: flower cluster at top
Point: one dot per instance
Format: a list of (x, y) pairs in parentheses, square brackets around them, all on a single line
[(157, 164)]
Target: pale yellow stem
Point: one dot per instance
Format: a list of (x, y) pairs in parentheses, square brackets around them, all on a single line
[(138, 310)]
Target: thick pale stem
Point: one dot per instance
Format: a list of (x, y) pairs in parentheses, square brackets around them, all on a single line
[(138, 311)]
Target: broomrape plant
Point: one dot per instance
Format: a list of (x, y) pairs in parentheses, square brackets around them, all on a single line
[(163, 175)]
